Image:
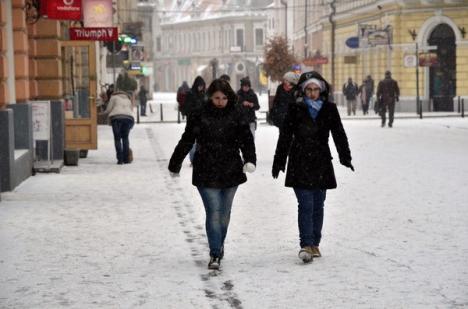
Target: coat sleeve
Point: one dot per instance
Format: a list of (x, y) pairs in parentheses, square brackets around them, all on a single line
[(339, 136), (246, 142), (285, 138), (255, 102), (110, 106), (185, 144)]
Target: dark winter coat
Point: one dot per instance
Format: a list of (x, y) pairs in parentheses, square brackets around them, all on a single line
[(195, 99), (305, 142), (281, 102), (350, 91), (220, 134), (248, 112), (387, 91)]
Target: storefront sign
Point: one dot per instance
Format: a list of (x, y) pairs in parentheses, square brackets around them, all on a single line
[(350, 59), (352, 42), (97, 13), (61, 9), (315, 61), (41, 120), (428, 59), (94, 34)]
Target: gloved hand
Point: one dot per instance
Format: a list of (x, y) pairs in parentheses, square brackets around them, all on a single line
[(347, 164), (174, 175), (248, 168)]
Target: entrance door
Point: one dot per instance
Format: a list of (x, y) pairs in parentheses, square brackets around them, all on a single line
[(79, 87), (443, 75)]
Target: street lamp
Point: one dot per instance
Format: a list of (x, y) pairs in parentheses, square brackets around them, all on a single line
[(414, 35)]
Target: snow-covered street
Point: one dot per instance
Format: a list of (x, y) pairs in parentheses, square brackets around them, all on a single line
[(103, 235)]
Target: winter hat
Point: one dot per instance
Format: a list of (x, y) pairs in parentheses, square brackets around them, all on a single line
[(315, 81), (291, 77), (245, 81)]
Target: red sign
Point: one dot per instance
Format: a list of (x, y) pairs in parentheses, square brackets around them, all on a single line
[(94, 34), (61, 9), (315, 61), (428, 59)]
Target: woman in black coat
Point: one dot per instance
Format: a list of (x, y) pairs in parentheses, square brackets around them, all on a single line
[(304, 139), (194, 101), (218, 168)]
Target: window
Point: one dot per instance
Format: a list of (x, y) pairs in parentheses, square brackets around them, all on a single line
[(240, 38), (158, 44), (258, 37)]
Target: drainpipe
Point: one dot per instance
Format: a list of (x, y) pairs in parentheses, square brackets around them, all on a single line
[(10, 57), (305, 29), (285, 3), (333, 29)]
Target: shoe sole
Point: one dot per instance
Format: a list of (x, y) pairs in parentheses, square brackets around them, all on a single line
[(213, 266)]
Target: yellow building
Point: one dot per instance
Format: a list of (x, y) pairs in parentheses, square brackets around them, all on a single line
[(388, 33)]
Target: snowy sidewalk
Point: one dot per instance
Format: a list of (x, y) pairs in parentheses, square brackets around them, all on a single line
[(102, 235)]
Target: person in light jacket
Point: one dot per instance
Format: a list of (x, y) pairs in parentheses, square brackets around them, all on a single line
[(218, 168), (304, 140), (120, 113)]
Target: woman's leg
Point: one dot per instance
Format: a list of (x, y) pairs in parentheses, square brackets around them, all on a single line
[(125, 132), (213, 202), (116, 130), (310, 216), (227, 198)]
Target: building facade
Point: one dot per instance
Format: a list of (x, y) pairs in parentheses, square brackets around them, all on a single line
[(387, 33), (209, 40)]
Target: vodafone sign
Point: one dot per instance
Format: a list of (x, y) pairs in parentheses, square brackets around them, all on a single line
[(61, 9)]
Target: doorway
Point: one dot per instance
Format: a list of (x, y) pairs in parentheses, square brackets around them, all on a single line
[(442, 87)]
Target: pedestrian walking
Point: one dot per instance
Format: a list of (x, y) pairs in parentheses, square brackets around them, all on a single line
[(366, 91), (248, 103), (304, 139), (388, 93), (283, 98), (120, 113), (350, 91), (181, 97), (143, 99), (218, 169), (194, 101)]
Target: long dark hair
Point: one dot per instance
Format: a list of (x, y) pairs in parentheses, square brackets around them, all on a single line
[(224, 87)]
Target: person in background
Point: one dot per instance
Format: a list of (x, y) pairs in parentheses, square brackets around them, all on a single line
[(120, 113), (181, 96), (248, 103), (350, 91), (218, 168), (304, 140), (283, 98), (225, 77), (388, 93), (143, 99), (194, 102)]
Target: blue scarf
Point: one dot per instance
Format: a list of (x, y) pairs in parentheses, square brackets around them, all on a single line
[(313, 106)]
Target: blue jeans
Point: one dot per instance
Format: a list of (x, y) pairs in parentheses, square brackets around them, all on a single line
[(121, 128), (217, 204), (310, 215)]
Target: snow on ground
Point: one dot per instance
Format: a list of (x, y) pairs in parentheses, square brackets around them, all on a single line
[(102, 235)]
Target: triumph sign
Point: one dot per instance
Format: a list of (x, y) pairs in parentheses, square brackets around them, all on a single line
[(94, 34)]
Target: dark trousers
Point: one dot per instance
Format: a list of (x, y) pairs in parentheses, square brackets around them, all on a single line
[(310, 216), (121, 128), (365, 106), (391, 112), (143, 108)]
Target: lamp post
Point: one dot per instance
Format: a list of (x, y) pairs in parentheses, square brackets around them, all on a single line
[(418, 103)]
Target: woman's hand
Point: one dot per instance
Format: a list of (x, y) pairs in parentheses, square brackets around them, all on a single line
[(249, 167)]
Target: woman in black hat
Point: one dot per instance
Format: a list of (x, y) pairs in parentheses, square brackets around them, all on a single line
[(304, 139)]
